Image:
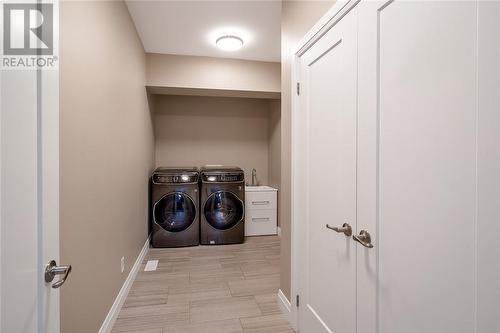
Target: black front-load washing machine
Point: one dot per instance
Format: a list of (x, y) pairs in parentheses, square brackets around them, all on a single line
[(175, 204), (222, 205)]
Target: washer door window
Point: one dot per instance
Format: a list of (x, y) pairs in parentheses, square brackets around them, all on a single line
[(223, 210), (175, 212)]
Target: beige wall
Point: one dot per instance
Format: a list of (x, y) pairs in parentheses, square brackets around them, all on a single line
[(165, 70), (275, 145), (297, 17), (106, 148), (193, 130)]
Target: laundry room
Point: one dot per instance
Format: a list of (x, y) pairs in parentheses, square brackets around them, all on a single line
[(231, 124), (233, 120), (249, 166), (190, 135)]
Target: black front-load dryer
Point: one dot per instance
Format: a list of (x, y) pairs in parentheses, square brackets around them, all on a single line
[(222, 205), (174, 215)]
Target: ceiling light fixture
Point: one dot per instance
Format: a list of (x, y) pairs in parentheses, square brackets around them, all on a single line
[(229, 43)]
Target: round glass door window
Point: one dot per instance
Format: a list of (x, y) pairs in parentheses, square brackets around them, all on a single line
[(223, 210), (175, 212)]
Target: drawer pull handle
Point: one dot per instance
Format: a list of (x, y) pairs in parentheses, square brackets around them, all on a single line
[(256, 219), (265, 202)]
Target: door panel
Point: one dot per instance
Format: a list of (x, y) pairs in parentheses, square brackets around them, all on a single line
[(29, 196), (329, 93), (367, 167), (29, 201), (19, 203), (488, 266), (425, 170), (425, 156)]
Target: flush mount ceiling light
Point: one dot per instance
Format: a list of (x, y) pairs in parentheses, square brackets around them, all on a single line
[(229, 42)]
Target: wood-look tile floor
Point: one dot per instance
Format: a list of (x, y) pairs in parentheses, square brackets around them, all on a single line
[(208, 289)]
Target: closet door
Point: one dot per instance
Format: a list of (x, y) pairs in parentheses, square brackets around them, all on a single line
[(417, 166), (326, 195)]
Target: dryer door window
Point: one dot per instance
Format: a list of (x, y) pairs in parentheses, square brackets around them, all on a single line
[(175, 212), (223, 210)]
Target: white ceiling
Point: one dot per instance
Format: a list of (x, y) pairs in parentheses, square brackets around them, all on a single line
[(191, 27)]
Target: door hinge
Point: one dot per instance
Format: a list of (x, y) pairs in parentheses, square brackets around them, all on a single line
[(298, 88), (297, 300)]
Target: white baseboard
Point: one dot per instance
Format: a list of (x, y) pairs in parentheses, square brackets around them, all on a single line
[(288, 311), (286, 307), (284, 303), (110, 319)]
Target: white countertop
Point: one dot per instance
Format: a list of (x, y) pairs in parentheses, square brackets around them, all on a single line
[(260, 188)]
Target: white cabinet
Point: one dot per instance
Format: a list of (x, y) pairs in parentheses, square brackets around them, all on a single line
[(260, 210), (396, 133)]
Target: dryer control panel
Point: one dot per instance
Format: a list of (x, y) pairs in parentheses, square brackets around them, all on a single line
[(174, 179)]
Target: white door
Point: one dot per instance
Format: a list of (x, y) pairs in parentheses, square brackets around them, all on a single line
[(426, 138), (29, 226), (417, 166), (327, 190)]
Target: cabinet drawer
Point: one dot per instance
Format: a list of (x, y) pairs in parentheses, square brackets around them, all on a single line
[(260, 200), (260, 222)]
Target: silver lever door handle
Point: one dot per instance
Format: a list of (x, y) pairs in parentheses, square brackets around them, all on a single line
[(345, 229), (364, 239), (51, 270)]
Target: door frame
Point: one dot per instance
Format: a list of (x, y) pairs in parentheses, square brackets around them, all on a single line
[(325, 23)]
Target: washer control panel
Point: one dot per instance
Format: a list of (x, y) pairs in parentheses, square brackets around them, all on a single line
[(222, 177)]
